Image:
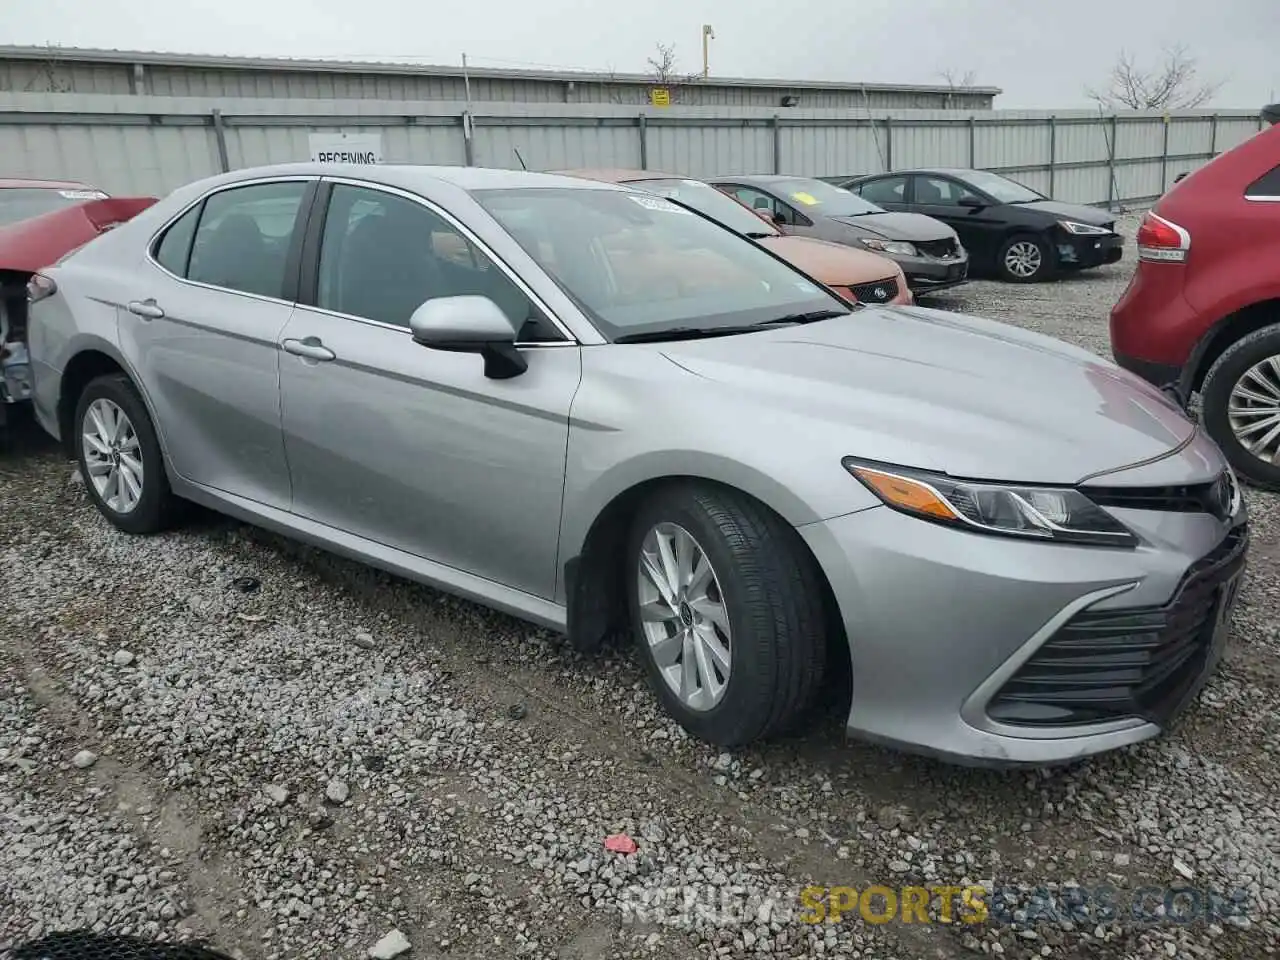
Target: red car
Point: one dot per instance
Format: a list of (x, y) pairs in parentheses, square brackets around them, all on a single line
[(42, 221), (1202, 311)]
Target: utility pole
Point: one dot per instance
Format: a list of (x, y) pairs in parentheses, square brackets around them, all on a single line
[(707, 36)]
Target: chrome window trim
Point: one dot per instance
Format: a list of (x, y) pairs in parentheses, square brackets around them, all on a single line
[(396, 328), (1262, 199), (470, 236), (159, 232)]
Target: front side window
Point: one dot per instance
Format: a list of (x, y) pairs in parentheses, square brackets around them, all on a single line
[(242, 241), (641, 264), (887, 190), (383, 255)]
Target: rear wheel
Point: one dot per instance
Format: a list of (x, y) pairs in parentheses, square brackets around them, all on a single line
[(1241, 406), (120, 457), (726, 605), (1025, 258)]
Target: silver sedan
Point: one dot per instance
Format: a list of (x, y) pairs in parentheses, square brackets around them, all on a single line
[(603, 412)]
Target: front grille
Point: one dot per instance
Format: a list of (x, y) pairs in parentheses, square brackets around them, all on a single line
[(1216, 497), (882, 291), (1141, 662), (938, 249)]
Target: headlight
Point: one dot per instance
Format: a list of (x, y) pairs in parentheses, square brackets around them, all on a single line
[(1083, 229), (900, 247), (1042, 513)]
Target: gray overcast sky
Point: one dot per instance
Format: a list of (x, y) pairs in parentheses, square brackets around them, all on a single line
[(1042, 53)]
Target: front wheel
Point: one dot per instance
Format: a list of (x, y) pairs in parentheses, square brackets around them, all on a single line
[(120, 457), (1025, 258), (1241, 406), (727, 609)]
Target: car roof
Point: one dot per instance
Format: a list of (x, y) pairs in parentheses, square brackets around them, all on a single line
[(18, 183), (409, 176), (940, 171), (760, 178), (620, 175)]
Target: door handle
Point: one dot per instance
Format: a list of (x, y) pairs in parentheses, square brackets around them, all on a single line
[(311, 348), (146, 309)]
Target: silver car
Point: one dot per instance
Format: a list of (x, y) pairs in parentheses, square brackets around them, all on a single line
[(605, 413), (929, 251)]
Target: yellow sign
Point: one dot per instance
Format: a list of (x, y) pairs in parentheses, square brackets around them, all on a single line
[(660, 97), (879, 904), (808, 199)]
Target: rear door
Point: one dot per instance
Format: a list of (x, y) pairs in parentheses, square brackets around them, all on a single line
[(202, 329), (413, 448)]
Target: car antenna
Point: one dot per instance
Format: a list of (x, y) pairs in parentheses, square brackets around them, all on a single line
[(520, 158)]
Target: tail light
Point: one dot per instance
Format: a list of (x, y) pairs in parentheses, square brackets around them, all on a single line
[(1162, 241), (40, 287)]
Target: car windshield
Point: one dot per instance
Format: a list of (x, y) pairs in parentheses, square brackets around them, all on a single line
[(823, 199), (23, 203), (708, 200), (640, 264), (999, 188)]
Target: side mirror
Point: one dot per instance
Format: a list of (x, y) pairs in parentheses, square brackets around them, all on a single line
[(972, 203), (470, 324)]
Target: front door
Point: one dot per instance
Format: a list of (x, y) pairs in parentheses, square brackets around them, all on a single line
[(202, 330), (415, 448)]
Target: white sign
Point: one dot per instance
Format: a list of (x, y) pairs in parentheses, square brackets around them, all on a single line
[(345, 147)]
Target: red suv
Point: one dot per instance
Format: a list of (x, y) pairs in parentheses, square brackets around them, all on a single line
[(1202, 311)]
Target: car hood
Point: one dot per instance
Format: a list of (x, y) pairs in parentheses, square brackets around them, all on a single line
[(33, 244), (834, 264), (1071, 211), (900, 226), (945, 392)]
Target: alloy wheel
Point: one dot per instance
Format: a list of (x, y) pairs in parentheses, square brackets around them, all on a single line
[(683, 616), (1253, 410), (1023, 259), (112, 455)]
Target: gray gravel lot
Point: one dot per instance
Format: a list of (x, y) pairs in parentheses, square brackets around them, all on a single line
[(299, 770)]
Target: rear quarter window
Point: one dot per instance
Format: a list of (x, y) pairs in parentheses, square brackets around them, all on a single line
[(1266, 187)]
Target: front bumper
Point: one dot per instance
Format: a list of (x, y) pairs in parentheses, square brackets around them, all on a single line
[(927, 275), (1081, 252), (946, 628)]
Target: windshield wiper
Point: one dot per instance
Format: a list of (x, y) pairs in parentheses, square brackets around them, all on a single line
[(683, 333), (759, 235), (810, 317)]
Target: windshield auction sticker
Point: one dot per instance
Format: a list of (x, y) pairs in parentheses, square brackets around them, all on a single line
[(658, 203)]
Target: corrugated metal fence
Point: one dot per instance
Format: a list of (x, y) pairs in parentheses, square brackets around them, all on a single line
[(132, 144)]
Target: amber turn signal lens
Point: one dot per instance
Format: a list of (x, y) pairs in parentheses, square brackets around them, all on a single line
[(905, 494)]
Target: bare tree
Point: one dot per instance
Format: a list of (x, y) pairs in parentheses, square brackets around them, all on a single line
[(955, 80), (1174, 84), (665, 72)]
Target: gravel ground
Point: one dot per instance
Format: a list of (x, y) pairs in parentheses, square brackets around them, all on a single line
[(303, 768)]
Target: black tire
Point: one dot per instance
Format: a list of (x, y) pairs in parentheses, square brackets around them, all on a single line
[(1048, 259), (772, 593), (157, 508), (1215, 395)]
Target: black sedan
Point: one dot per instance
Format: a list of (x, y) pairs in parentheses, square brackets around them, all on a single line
[(1009, 229)]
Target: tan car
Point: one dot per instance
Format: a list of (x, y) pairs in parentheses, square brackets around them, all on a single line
[(854, 274)]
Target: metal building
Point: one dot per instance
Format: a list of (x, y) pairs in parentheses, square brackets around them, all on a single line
[(67, 70)]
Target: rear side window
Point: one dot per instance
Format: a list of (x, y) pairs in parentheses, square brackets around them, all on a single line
[(243, 237), (1266, 187), (174, 248)]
